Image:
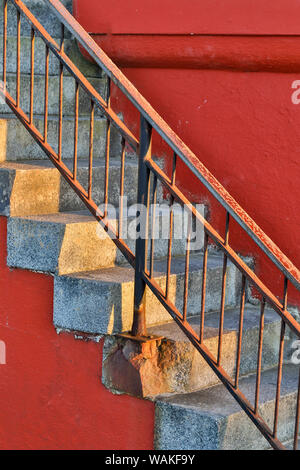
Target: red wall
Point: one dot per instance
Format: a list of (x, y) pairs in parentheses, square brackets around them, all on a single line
[(215, 90), (50, 389)]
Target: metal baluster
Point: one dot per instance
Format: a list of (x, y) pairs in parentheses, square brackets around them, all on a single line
[(187, 267), (18, 58), (240, 336), (280, 361), (76, 130), (121, 208), (171, 222), (139, 319), (259, 355), (46, 94), (32, 75), (61, 85), (4, 42), (203, 292), (107, 150), (91, 150), (221, 325), (154, 198)]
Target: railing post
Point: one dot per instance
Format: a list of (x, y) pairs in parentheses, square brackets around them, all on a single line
[(141, 246)]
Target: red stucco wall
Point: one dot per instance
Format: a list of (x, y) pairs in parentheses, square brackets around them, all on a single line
[(221, 99), (50, 388)]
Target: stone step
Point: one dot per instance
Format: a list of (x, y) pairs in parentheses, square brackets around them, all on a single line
[(53, 95), (211, 419), (175, 366), (40, 11), (101, 301), (17, 144), (88, 68), (69, 242), (36, 187)]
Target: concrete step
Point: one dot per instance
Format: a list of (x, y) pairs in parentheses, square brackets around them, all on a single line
[(101, 301), (36, 187), (177, 367), (211, 419), (17, 144), (53, 95), (41, 12), (69, 242), (71, 49)]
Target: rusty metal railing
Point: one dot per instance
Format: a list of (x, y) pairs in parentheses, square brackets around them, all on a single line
[(150, 175)]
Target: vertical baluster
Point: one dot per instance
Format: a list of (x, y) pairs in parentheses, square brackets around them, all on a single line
[(46, 94), (32, 75), (221, 325), (61, 86), (91, 150), (187, 267), (18, 58), (296, 435), (4, 42), (203, 292), (139, 320), (171, 221), (154, 198), (259, 354), (121, 205), (280, 361), (240, 336), (107, 150), (76, 130)]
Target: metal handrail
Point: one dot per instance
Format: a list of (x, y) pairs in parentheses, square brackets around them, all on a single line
[(177, 145), (148, 168)]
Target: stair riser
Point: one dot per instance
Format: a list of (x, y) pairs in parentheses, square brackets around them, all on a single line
[(65, 248), (180, 367), (107, 307), (17, 144), (184, 428), (71, 49), (40, 11), (53, 95), (19, 189)]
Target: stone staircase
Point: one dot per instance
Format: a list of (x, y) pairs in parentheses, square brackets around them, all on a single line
[(49, 231)]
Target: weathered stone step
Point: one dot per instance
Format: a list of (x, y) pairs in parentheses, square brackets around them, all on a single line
[(71, 49), (101, 301), (36, 187), (211, 419), (69, 242), (175, 366), (53, 95), (17, 144), (41, 12)]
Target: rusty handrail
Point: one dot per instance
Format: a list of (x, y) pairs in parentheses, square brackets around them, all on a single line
[(186, 155)]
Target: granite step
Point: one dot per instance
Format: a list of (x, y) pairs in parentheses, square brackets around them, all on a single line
[(37, 188), (17, 144), (68, 242), (211, 419), (53, 95), (175, 366)]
